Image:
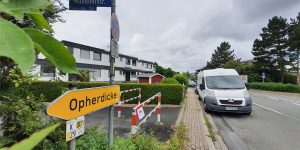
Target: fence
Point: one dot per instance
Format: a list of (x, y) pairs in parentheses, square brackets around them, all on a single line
[(128, 100), (138, 113)]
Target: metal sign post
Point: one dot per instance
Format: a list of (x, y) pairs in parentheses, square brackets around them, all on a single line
[(263, 75), (111, 82), (72, 143)]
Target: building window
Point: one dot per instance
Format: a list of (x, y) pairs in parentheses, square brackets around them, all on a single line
[(127, 61), (134, 62), (97, 73), (150, 66), (97, 56), (146, 65), (71, 49), (142, 63), (120, 71), (121, 59), (84, 54), (133, 74), (47, 70)]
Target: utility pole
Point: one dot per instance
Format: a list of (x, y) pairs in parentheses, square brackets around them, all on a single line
[(111, 82)]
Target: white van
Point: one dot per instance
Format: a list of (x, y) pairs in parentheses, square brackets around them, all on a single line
[(222, 90)]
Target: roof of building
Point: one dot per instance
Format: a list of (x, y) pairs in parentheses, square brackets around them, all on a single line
[(81, 46), (147, 75)]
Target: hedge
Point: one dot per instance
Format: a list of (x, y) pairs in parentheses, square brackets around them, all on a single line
[(279, 87), (169, 81), (171, 94)]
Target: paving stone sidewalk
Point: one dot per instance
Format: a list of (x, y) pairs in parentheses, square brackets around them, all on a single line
[(194, 120)]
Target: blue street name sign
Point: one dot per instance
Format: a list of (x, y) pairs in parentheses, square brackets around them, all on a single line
[(90, 8), (89, 4)]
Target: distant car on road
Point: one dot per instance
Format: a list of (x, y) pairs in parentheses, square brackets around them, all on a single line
[(222, 90), (192, 83)]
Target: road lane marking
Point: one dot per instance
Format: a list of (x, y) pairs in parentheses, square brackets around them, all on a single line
[(278, 99), (268, 108), (277, 111)]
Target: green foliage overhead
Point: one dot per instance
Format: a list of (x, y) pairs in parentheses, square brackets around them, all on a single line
[(19, 45), (34, 139), (17, 8), (169, 81), (39, 20), (220, 56), (53, 50), (16, 44)]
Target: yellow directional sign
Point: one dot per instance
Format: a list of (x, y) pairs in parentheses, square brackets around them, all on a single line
[(76, 103)]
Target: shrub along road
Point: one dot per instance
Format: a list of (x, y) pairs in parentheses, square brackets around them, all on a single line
[(273, 124)]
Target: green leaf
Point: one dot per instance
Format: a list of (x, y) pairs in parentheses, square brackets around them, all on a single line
[(17, 8), (39, 20), (17, 45), (55, 51), (34, 139), (9, 5)]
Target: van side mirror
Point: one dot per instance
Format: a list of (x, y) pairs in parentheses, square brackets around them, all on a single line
[(201, 86)]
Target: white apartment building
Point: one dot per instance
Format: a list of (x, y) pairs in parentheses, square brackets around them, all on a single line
[(96, 62)]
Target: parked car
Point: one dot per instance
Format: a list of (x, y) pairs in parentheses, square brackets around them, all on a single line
[(222, 90), (192, 83)]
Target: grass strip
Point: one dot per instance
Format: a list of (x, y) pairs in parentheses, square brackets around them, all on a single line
[(210, 130)]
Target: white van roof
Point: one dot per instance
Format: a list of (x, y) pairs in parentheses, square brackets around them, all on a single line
[(219, 71)]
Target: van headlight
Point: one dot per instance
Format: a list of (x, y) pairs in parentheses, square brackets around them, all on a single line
[(210, 93), (246, 93)]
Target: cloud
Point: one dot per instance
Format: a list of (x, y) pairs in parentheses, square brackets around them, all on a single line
[(176, 33)]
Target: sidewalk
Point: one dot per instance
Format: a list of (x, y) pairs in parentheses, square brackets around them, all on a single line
[(194, 121)]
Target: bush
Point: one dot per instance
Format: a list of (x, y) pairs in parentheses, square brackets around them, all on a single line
[(279, 87), (93, 138), (169, 81), (182, 79), (171, 94)]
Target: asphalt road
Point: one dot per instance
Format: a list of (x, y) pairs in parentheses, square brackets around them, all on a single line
[(273, 125), (122, 126)]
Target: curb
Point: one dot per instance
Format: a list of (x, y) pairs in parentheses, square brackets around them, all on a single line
[(179, 119), (219, 143)]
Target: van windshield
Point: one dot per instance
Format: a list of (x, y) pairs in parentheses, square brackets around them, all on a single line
[(224, 82)]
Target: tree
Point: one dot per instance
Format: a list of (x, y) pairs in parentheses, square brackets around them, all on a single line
[(271, 51), (294, 43), (220, 56), (169, 73)]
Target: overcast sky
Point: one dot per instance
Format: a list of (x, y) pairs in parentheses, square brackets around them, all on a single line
[(181, 34)]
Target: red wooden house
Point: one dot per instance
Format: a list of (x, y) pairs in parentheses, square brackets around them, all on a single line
[(150, 78)]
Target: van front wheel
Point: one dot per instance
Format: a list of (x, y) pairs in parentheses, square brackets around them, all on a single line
[(205, 106)]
